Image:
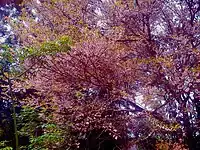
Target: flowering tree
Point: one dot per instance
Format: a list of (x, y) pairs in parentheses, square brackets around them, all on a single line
[(86, 86), (147, 48)]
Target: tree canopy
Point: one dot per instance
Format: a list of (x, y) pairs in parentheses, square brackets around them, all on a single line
[(105, 74)]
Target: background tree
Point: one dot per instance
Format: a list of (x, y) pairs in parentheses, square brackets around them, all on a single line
[(10, 95)]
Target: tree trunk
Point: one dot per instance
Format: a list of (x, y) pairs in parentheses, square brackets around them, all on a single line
[(190, 141)]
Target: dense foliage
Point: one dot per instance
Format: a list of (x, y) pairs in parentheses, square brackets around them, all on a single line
[(92, 74)]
